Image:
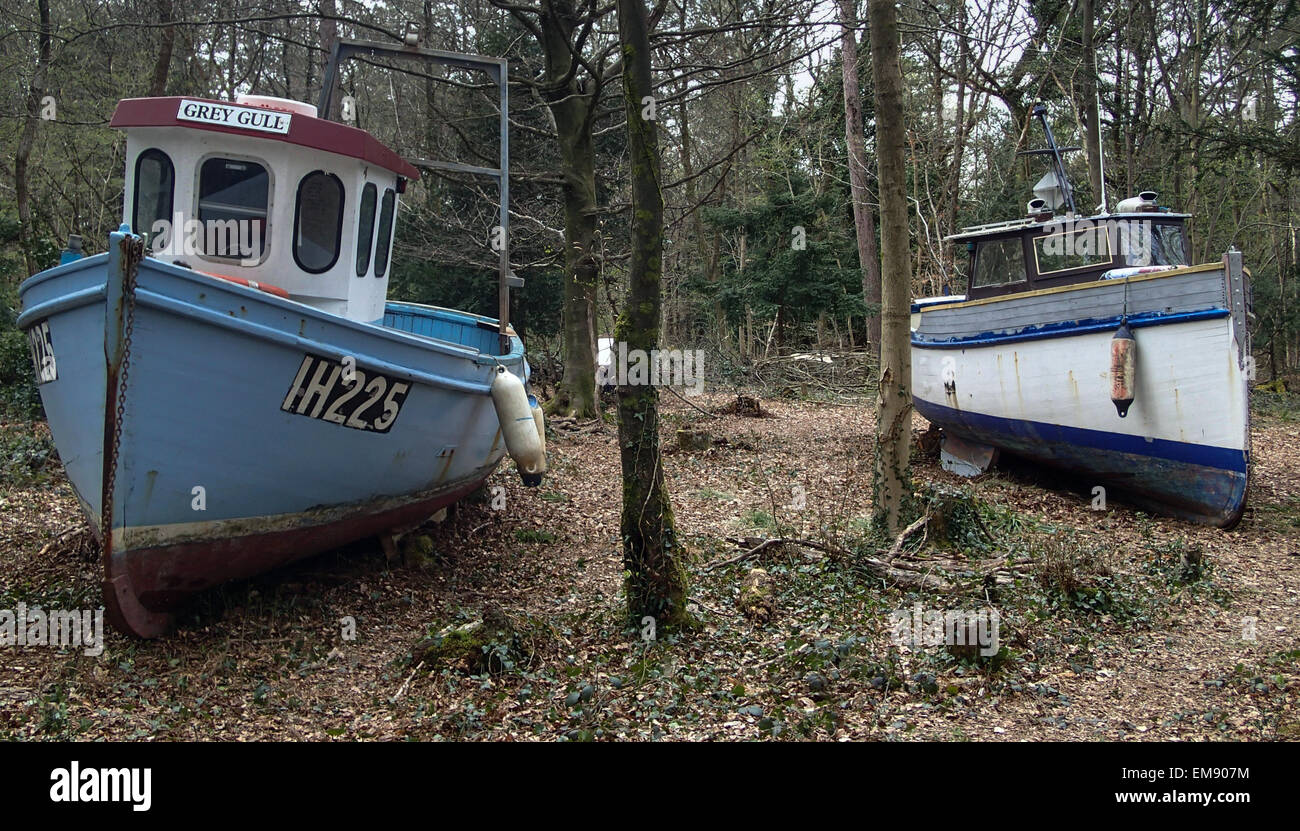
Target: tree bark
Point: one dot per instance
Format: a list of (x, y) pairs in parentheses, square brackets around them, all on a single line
[(571, 104), (162, 65), (27, 139), (864, 220), (894, 405), (329, 35), (656, 578), (1092, 132)]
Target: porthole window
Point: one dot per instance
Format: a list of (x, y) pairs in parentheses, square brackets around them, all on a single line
[(233, 199), (155, 184), (385, 232), (318, 222), (365, 229)]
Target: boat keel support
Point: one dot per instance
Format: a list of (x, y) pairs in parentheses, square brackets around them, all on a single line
[(965, 458)]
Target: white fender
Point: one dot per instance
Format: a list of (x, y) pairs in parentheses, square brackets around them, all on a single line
[(518, 427), (540, 420)]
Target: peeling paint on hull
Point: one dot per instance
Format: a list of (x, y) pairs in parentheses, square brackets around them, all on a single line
[(1033, 377), (217, 478), (156, 575)]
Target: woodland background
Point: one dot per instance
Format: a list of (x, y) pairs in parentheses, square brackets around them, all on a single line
[(1198, 100)]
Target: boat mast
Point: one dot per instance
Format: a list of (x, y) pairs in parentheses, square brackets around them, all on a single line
[(1058, 166), (498, 70)]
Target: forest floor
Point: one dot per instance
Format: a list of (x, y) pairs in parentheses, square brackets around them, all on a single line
[(1114, 625)]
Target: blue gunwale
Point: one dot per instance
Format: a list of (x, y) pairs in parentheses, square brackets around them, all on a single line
[(97, 294), (1068, 328)]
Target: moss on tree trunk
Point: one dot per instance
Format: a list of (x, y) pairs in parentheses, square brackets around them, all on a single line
[(571, 106), (652, 557)]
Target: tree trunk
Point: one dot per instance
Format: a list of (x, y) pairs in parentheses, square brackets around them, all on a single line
[(162, 65), (894, 405), (1092, 135), (27, 139), (656, 577), (571, 108), (329, 35), (863, 220)]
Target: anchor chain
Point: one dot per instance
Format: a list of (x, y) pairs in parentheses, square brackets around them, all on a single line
[(133, 253)]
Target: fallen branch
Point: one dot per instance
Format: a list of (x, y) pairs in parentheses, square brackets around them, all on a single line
[(689, 404), (897, 547), (906, 575)]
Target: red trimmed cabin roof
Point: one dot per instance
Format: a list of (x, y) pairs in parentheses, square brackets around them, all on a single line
[(304, 130)]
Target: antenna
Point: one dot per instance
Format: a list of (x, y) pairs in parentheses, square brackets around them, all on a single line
[(1101, 157), (1058, 167)]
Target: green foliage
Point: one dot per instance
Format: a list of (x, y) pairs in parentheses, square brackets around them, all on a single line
[(19, 398), (26, 457), (800, 257)]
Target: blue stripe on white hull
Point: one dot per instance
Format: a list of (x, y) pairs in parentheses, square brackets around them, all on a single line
[(1193, 482), (1183, 447)]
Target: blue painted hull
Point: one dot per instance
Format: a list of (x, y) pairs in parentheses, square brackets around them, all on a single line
[(226, 463)]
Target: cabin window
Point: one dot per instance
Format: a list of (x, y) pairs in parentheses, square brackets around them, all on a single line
[(318, 222), (365, 228), (155, 182), (385, 232), (1168, 246), (1073, 249), (998, 263), (1143, 242), (233, 199)]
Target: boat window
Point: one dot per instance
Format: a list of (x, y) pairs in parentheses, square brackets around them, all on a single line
[(155, 181), (233, 196), (318, 222), (999, 262), (1169, 247), (385, 232), (1073, 249), (1146, 243), (365, 229)]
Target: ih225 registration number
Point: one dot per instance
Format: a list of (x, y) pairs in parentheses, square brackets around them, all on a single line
[(345, 394)]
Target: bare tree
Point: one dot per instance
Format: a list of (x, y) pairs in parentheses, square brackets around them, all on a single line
[(864, 221), (894, 405), (656, 581)]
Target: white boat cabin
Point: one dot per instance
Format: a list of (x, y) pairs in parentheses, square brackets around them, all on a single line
[(263, 191)]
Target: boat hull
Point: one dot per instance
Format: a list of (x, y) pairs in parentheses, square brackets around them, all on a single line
[(1031, 375), (218, 423)]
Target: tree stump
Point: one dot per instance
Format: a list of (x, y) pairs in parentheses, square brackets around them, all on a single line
[(755, 601), (693, 441)]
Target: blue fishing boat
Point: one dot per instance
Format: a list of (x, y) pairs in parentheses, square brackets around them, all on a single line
[(1093, 345), (229, 388)]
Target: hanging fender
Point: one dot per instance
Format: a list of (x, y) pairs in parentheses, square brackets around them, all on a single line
[(519, 427), (1123, 368)]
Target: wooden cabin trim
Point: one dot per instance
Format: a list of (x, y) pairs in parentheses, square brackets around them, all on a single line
[(1076, 286)]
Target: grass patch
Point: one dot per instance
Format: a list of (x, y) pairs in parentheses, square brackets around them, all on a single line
[(27, 456)]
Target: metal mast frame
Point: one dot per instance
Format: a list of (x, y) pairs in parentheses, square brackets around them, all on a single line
[(495, 68)]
